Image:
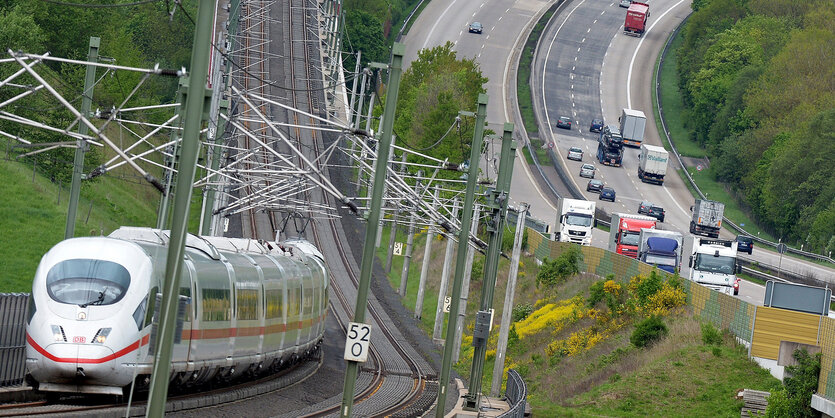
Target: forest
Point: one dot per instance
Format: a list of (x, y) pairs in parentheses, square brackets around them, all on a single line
[(139, 34), (757, 78)]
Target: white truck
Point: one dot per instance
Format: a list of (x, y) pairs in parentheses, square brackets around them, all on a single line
[(652, 164), (713, 264), (632, 124), (575, 221), (661, 248), (707, 217)]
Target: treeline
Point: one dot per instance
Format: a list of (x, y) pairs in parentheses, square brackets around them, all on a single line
[(138, 35), (758, 82), (371, 26)]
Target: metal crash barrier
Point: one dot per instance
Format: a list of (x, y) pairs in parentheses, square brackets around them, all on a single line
[(516, 394)]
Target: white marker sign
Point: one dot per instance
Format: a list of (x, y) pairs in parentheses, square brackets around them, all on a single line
[(398, 248), (356, 342), (447, 303)]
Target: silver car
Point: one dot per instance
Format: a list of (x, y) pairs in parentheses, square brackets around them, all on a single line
[(625, 3), (575, 153), (587, 170)]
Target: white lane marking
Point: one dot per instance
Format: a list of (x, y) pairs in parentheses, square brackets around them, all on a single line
[(460, 33), (500, 18), (429, 36), (595, 21), (545, 67), (482, 5), (519, 152), (488, 36), (638, 48), (584, 40), (578, 49), (587, 31), (474, 13)]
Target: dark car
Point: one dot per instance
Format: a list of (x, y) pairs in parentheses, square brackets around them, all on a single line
[(475, 27), (607, 193), (596, 125), (656, 212), (744, 244), (594, 186), (651, 209), (564, 122), (643, 207)]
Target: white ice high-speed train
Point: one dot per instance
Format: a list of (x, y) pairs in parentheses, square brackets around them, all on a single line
[(244, 307)]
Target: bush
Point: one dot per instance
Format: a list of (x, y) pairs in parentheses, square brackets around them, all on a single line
[(800, 383), (648, 331), (521, 312), (559, 270), (711, 335)]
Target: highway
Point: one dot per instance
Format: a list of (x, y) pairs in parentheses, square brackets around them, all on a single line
[(443, 21), (585, 68)]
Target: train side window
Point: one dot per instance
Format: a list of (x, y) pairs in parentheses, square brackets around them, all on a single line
[(150, 306), (294, 304), (216, 305), (308, 302), (31, 309), (275, 302), (139, 313), (247, 304)]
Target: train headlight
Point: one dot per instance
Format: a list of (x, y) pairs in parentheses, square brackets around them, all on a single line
[(58, 334), (101, 336), (82, 315)]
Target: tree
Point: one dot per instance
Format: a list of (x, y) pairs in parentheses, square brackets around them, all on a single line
[(799, 385)]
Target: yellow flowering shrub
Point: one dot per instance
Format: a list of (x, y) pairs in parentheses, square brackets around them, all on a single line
[(665, 300), (611, 287), (553, 315)]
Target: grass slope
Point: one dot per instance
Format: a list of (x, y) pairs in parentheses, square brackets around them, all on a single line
[(34, 221), (679, 376)]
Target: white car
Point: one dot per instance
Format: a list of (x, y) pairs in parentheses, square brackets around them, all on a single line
[(587, 170), (625, 3), (575, 153)]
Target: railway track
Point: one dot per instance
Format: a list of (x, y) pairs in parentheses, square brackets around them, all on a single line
[(402, 381), (104, 406)]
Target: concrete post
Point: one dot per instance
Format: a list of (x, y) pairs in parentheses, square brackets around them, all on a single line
[(375, 206), (78, 161), (463, 236), (507, 311), (439, 310), (465, 289), (424, 270), (404, 277), (185, 178)]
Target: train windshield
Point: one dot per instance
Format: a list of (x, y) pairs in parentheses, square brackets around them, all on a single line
[(86, 282)]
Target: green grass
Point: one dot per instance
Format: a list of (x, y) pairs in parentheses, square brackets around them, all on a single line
[(674, 118), (523, 77), (673, 107), (680, 380), (34, 221)]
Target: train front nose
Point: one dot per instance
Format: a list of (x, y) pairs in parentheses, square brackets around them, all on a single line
[(81, 362)]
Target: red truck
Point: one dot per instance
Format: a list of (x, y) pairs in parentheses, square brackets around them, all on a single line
[(625, 231), (636, 19)]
